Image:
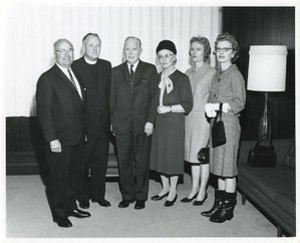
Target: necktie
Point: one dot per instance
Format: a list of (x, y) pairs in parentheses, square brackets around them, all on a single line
[(71, 78), (131, 70)]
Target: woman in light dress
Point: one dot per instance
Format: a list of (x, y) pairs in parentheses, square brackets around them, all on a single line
[(196, 123)]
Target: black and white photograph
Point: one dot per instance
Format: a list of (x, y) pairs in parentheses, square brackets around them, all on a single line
[(145, 121)]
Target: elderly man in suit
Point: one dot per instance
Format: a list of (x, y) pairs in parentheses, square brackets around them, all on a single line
[(96, 75), (60, 110), (133, 112)]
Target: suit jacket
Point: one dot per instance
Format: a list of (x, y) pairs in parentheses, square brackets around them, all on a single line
[(98, 93), (133, 100), (60, 109)]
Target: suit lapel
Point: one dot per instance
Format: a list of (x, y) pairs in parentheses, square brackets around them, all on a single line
[(139, 72), (66, 80), (125, 73)]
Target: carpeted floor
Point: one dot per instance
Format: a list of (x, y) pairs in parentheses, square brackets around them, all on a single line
[(28, 215)]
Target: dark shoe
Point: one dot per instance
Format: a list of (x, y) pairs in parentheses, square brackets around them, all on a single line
[(125, 203), (170, 203), (104, 203), (63, 222), (222, 215), (225, 212), (187, 200), (79, 214), (139, 204), (85, 204), (217, 204), (199, 203), (158, 198)]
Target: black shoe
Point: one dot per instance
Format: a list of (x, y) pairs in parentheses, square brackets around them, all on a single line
[(79, 214), (170, 203), (63, 222), (125, 203), (139, 204), (222, 215), (104, 203), (187, 200), (158, 198), (199, 203), (85, 204), (219, 195), (225, 212)]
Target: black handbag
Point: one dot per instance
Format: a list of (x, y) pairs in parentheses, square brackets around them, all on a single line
[(262, 156), (218, 135), (203, 155)]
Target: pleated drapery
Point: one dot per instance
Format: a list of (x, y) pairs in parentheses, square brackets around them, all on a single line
[(32, 30)]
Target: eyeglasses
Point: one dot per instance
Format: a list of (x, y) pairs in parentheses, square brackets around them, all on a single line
[(64, 51), (225, 49), (167, 56)]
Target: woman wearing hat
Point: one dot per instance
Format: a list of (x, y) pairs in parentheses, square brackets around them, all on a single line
[(175, 100)]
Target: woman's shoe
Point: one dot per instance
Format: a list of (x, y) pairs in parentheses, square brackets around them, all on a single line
[(170, 203), (199, 203), (187, 200), (219, 195), (225, 212), (158, 198)]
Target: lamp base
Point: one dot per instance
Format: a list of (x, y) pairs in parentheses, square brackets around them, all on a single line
[(264, 129)]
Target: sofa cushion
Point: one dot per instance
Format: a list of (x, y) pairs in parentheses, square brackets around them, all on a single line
[(290, 157), (270, 181), (286, 201)]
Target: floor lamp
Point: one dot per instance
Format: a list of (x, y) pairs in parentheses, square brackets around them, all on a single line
[(267, 73)]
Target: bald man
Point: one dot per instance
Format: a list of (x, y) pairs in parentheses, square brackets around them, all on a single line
[(60, 110)]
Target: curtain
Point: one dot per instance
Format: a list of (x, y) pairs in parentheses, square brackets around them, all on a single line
[(32, 30)]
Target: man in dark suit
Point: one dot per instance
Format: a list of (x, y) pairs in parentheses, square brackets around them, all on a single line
[(60, 110), (133, 112), (96, 75)]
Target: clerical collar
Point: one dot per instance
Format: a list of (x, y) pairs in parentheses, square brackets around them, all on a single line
[(89, 61)]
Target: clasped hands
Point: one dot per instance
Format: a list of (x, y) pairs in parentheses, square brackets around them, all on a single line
[(163, 109), (212, 108)]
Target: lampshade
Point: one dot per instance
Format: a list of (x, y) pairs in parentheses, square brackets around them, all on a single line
[(267, 68)]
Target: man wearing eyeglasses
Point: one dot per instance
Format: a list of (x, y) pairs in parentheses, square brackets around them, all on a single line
[(96, 74), (60, 101)]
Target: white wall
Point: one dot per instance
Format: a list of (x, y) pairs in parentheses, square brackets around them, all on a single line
[(31, 31)]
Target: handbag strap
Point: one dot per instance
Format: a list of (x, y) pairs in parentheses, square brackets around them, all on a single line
[(219, 113)]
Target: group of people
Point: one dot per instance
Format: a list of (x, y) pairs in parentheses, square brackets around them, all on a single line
[(159, 120)]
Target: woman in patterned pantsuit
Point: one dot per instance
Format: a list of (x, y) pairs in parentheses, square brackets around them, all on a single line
[(228, 87)]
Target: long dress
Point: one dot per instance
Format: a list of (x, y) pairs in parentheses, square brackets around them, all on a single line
[(196, 123), (228, 87), (167, 151)]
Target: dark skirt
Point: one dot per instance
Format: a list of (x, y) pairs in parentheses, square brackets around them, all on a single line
[(167, 151)]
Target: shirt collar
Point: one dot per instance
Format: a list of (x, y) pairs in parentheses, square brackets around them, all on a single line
[(134, 65), (63, 68), (89, 61)]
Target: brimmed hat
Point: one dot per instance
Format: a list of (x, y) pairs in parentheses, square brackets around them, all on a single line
[(166, 45)]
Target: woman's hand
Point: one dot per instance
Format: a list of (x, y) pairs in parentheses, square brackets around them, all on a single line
[(210, 109), (162, 109)]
